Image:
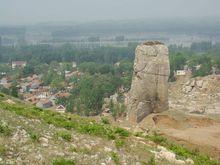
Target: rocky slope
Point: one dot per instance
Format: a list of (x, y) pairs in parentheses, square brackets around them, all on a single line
[(193, 118), (29, 135), (199, 95)]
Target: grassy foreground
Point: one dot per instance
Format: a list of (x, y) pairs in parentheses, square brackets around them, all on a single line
[(91, 127)]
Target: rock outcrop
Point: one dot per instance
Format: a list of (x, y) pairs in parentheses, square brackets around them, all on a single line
[(149, 88)]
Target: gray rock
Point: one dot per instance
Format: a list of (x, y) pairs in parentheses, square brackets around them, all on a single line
[(149, 88), (193, 83), (20, 135), (199, 83), (198, 110), (188, 89), (44, 141)]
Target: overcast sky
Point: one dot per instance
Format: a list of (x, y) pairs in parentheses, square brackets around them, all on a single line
[(35, 11)]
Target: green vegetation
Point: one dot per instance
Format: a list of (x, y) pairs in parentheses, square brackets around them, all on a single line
[(202, 54), (119, 143), (88, 126), (2, 150), (115, 158), (13, 91), (68, 121), (157, 139), (104, 120), (87, 96), (65, 135), (4, 129), (122, 132), (117, 110), (63, 161), (2, 95), (101, 77), (34, 136), (181, 151), (151, 161)]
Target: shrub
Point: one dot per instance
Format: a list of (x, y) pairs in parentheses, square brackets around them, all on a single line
[(180, 151), (34, 137), (122, 132), (157, 138), (111, 135), (119, 143), (63, 161), (4, 129), (64, 135), (105, 120), (2, 95), (115, 158), (204, 160), (2, 150), (151, 161)]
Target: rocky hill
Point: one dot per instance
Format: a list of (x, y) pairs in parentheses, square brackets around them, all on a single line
[(193, 118), (199, 95), (29, 135)]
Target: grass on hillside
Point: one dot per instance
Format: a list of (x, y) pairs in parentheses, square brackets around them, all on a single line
[(91, 127), (68, 121), (180, 151)]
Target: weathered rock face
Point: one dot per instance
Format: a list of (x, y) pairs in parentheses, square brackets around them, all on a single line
[(149, 88)]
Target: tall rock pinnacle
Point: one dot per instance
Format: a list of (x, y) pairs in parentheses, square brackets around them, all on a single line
[(149, 88)]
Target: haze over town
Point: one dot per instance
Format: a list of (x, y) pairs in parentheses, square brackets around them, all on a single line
[(24, 12), (105, 82)]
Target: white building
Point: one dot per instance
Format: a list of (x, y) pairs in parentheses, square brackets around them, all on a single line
[(180, 72), (20, 64), (74, 65)]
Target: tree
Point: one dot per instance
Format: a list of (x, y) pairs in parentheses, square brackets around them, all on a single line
[(14, 90), (28, 70)]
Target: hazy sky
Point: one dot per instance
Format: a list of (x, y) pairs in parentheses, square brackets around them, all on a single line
[(35, 11)]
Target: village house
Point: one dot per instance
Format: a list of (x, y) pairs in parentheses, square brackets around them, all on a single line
[(43, 95), (180, 72), (3, 73), (24, 87), (61, 109), (18, 64), (35, 85), (33, 100), (44, 103), (74, 65), (117, 64), (62, 95), (3, 81)]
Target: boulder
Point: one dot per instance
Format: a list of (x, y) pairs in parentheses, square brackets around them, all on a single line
[(149, 88)]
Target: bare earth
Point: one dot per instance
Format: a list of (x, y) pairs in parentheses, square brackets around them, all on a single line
[(194, 116)]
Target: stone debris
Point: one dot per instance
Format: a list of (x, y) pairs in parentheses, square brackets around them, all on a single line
[(149, 88), (200, 95), (20, 135), (164, 154), (44, 141), (9, 101)]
